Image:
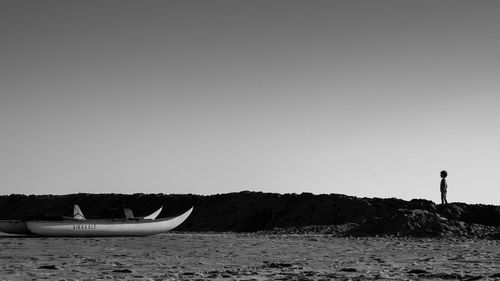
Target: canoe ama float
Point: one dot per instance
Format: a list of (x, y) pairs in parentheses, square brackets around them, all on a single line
[(91, 227)]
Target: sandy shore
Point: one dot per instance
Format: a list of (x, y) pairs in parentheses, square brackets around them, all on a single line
[(215, 256)]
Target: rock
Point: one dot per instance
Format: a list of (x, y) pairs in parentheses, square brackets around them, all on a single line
[(348, 269), (122, 271), (420, 223), (51, 267), (417, 223), (418, 271), (477, 214), (277, 264), (451, 211), (422, 204)]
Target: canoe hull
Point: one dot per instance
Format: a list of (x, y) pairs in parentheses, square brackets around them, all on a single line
[(14, 227), (97, 228)]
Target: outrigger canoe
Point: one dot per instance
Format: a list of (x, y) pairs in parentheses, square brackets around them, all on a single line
[(79, 226), (109, 227)]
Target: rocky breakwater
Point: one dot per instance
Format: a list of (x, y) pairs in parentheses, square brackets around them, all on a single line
[(421, 223), (246, 211)]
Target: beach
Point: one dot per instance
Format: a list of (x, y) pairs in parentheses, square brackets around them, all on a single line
[(248, 256)]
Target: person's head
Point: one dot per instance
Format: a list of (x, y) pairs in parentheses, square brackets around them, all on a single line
[(444, 174)]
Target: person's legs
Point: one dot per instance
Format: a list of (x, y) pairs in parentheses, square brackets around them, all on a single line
[(443, 198)]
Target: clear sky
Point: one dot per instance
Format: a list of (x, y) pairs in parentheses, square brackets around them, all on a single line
[(364, 98)]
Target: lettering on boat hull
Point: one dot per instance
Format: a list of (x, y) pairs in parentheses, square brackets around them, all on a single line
[(84, 226)]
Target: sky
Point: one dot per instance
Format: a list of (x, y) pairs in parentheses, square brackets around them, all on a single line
[(363, 98)]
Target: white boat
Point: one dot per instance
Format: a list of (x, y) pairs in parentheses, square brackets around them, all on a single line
[(109, 227)]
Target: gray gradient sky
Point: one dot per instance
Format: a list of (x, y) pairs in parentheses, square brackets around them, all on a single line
[(365, 98)]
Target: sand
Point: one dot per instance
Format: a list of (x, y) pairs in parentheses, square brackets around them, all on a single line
[(229, 256)]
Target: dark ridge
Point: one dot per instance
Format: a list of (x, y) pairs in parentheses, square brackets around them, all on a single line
[(256, 211)]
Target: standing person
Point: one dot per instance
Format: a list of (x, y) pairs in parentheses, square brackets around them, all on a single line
[(444, 187)]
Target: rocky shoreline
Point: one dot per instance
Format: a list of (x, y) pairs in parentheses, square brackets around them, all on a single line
[(458, 230), (332, 214)]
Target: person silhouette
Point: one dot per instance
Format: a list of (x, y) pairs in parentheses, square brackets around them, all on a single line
[(444, 187)]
